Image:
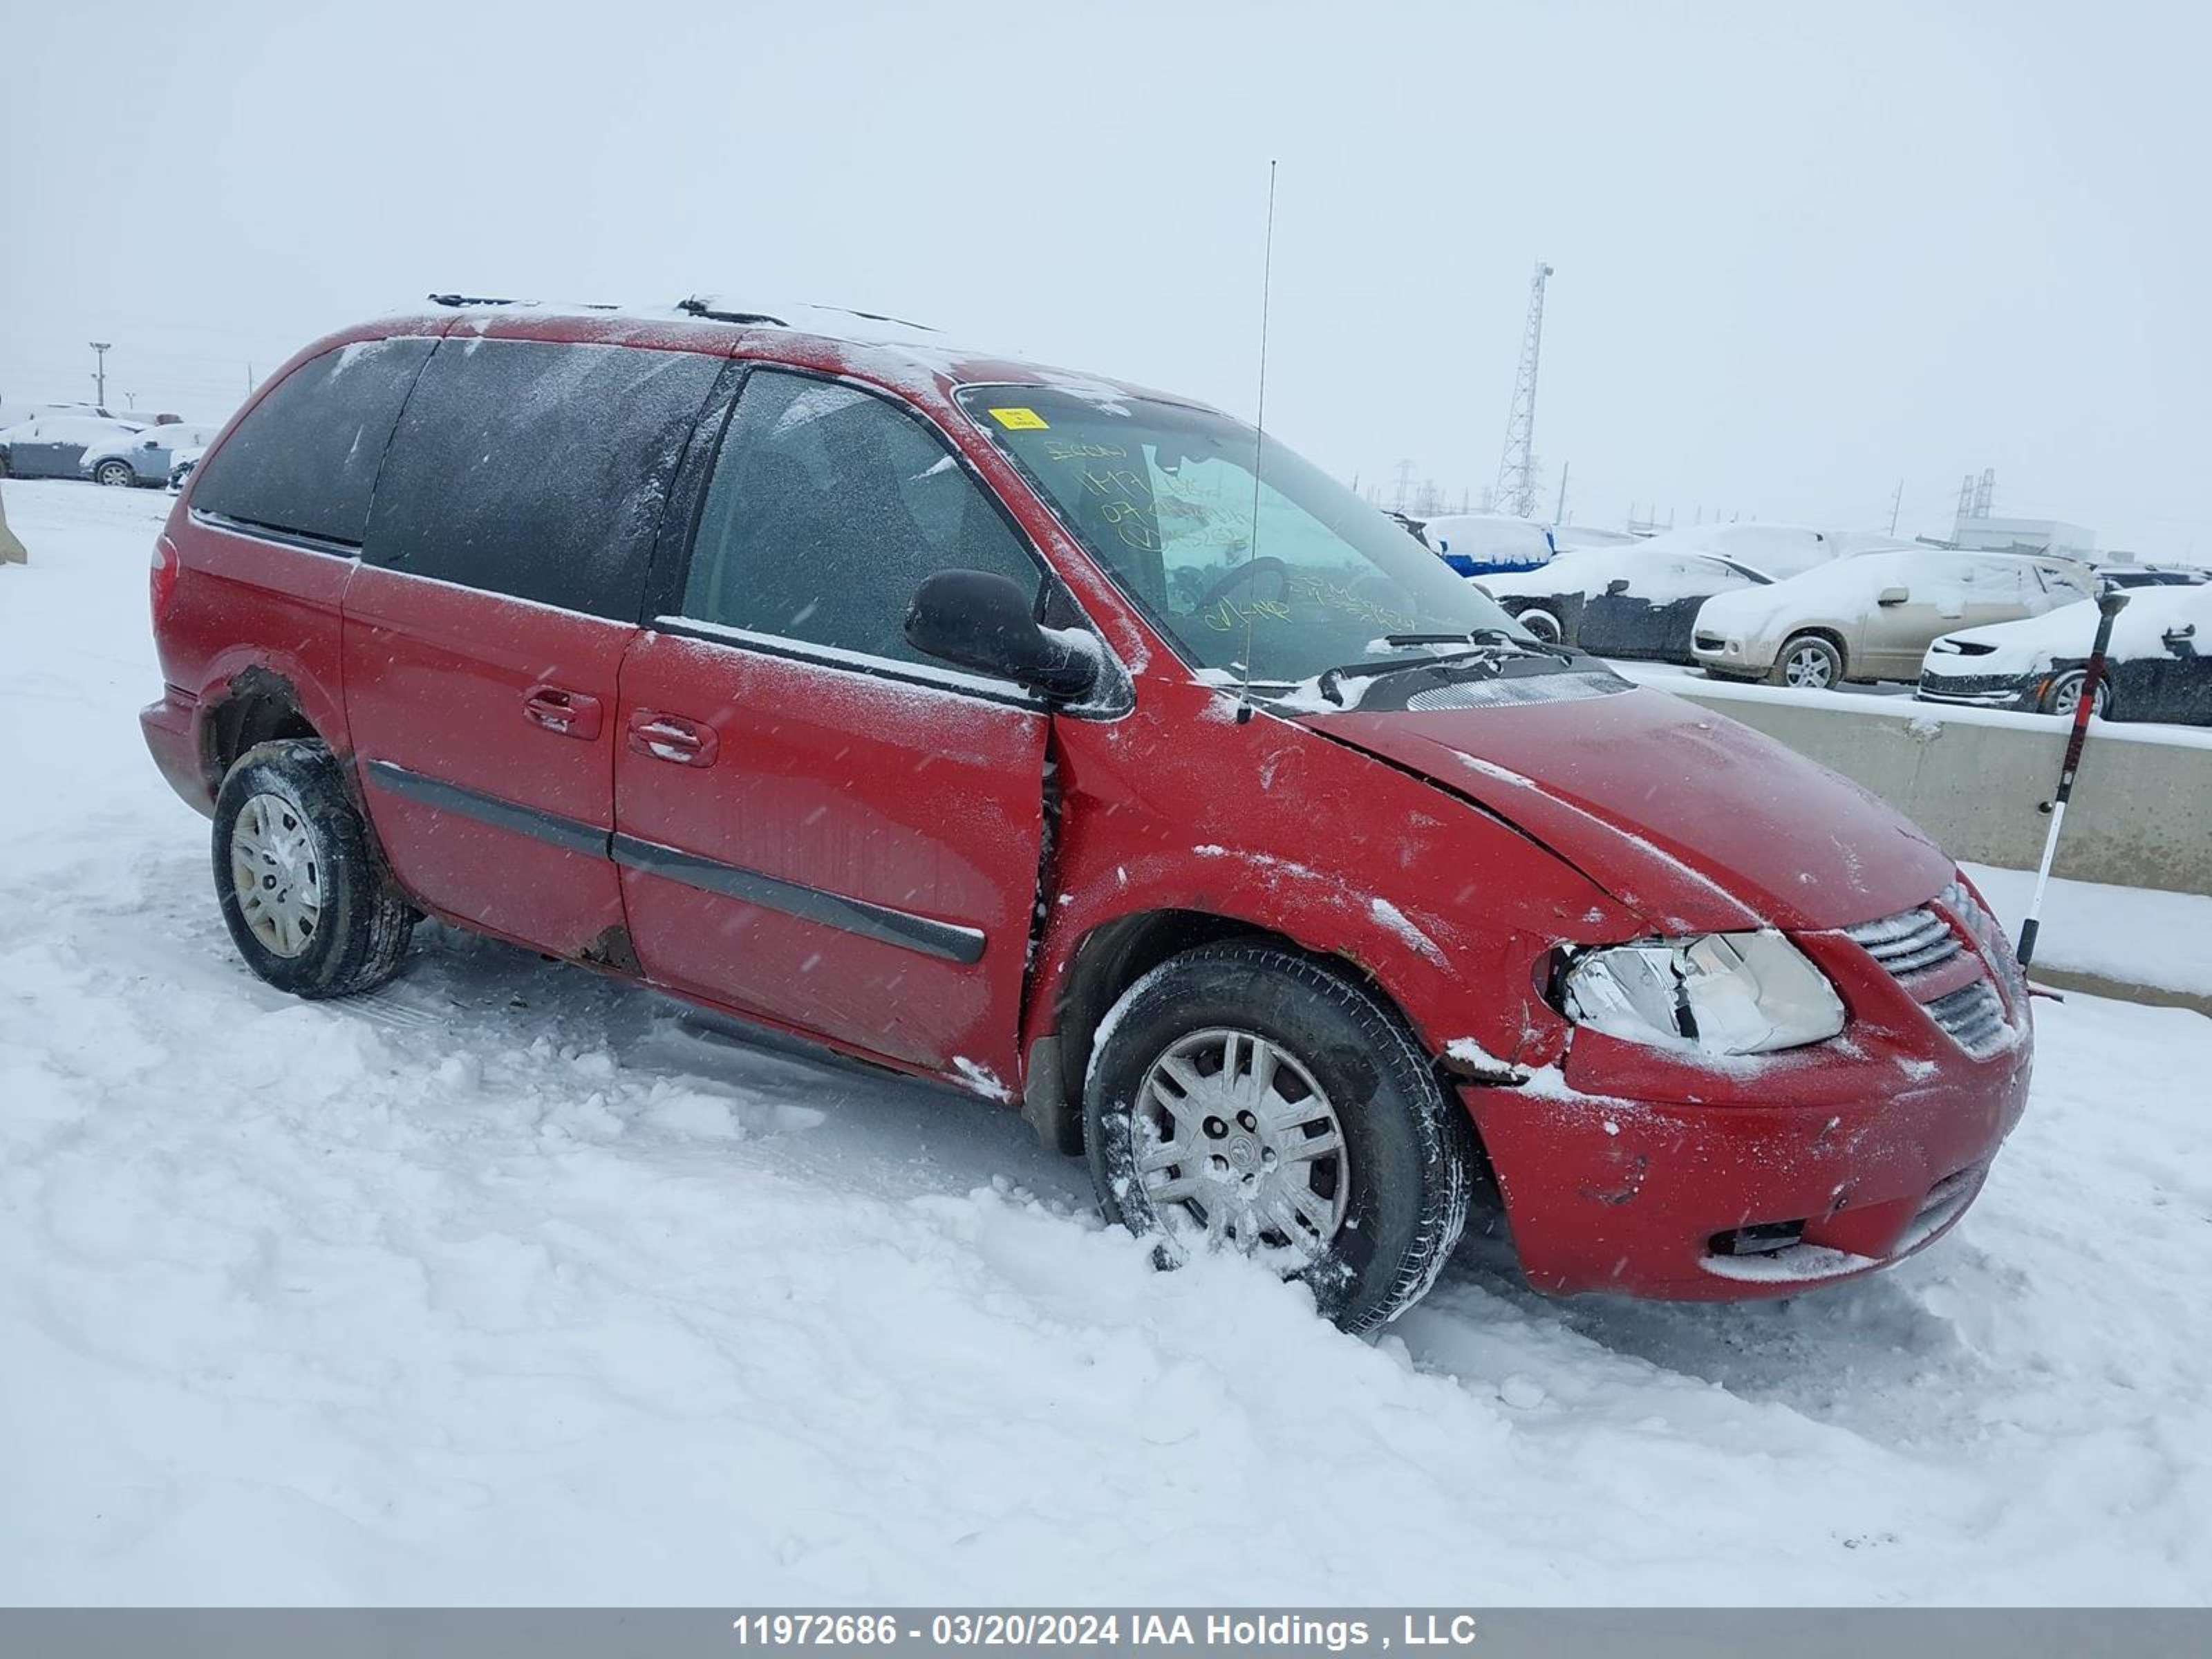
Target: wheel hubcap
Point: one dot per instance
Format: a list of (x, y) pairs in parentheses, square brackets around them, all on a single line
[(276, 871), (1809, 667), (1238, 1145)]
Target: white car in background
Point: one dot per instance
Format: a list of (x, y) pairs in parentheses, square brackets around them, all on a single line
[(144, 456), (1873, 616), (1777, 549), (2158, 665)]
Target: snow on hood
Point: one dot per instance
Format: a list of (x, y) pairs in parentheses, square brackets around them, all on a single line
[(2035, 643), (1777, 549), (1656, 577), (1695, 822)]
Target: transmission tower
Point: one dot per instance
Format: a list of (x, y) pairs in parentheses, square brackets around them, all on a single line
[(1517, 466), (1984, 491)]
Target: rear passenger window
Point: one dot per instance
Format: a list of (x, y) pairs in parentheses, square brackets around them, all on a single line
[(305, 460), (538, 469), (827, 509)]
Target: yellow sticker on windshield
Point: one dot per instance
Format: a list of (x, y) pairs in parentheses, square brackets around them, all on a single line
[(1019, 420)]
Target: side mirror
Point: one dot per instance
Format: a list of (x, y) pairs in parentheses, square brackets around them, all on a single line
[(975, 619), (2182, 640), (1893, 596), (1617, 587)]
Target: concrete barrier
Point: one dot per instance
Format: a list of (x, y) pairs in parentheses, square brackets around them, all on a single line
[(1975, 779)]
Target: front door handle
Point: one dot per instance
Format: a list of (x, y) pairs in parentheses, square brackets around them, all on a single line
[(564, 713), (671, 737)]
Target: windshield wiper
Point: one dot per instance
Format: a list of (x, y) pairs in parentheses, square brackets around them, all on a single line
[(1492, 636), (1485, 644), (1331, 679), (1529, 647)]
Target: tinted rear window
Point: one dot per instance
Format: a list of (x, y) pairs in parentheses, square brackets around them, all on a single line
[(305, 458), (538, 470)]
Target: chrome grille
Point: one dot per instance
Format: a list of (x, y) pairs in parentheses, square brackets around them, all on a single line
[(1973, 1016), (1908, 942), (1989, 937)]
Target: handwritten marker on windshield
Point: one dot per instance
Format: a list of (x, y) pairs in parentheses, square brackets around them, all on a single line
[(2110, 603), (1258, 439)]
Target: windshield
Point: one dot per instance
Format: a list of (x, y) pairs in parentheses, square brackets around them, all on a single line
[(1161, 495)]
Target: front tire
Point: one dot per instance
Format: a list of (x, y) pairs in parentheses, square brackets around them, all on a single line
[(2065, 694), (303, 892), (1809, 662), (116, 475), (1543, 624), (1248, 1098)]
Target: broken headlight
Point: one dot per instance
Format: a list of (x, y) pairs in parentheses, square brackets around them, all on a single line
[(1720, 993)]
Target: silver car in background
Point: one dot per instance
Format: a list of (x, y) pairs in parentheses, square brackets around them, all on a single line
[(143, 457), (1874, 616)]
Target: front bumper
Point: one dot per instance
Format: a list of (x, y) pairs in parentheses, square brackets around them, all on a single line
[(1981, 690), (1730, 657), (1631, 1170)]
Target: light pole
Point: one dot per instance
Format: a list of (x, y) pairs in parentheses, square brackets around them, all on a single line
[(100, 374)]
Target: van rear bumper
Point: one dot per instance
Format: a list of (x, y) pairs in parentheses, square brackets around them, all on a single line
[(172, 729), (1732, 1200)]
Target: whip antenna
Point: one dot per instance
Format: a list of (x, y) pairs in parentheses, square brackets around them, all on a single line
[(1259, 443)]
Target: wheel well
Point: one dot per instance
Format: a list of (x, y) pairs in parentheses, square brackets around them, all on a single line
[(1115, 956), (1843, 654), (259, 708)]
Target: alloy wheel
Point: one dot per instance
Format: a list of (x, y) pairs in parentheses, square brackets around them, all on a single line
[(1807, 668)]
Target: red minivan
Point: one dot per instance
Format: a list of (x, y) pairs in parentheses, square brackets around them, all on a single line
[(1069, 742)]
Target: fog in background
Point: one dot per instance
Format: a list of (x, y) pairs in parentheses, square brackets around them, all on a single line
[(1802, 251)]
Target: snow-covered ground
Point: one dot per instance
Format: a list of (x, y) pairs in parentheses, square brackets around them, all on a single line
[(499, 1286)]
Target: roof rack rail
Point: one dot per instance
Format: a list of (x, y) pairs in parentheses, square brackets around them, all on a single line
[(699, 307), (882, 317), (459, 300)]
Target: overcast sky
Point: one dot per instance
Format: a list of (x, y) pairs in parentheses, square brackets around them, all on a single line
[(1803, 253)]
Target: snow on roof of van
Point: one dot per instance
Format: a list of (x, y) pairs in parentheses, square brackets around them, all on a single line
[(885, 340)]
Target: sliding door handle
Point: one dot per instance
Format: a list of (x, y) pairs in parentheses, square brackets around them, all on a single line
[(564, 713), (671, 737)]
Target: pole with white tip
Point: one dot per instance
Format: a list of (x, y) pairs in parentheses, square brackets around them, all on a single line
[(2110, 603)]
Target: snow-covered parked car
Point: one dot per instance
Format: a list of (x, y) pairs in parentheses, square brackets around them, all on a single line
[(53, 446), (2151, 575), (1873, 616), (1620, 601), (181, 463), (2158, 667), (145, 457), (1476, 544)]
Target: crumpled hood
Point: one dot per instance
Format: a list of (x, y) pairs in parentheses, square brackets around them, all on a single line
[(1693, 821)]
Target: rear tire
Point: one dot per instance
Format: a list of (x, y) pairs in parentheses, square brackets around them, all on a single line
[(304, 897), (1394, 1189), (116, 475), (1809, 662)]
